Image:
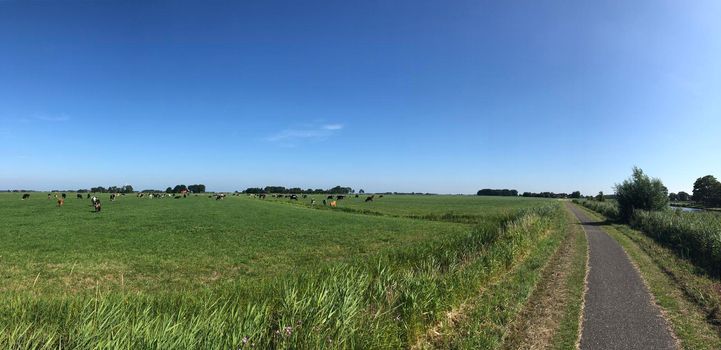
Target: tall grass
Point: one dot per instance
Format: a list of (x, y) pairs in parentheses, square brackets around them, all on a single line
[(695, 236), (384, 302), (608, 208)]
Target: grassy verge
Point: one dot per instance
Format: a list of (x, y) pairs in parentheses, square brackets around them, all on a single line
[(688, 298), (484, 319), (550, 319)]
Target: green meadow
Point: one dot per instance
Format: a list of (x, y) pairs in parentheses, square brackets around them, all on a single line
[(203, 273)]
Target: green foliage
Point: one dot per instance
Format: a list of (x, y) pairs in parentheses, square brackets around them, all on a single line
[(707, 190), (683, 196), (695, 236), (575, 194), (609, 208), (600, 197), (640, 192), (492, 192), (199, 188)]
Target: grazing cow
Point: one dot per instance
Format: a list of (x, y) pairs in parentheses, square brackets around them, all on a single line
[(61, 201), (112, 197), (96, 205), (261, 196), (294, 197), (356, 196), (339, 197), (219, 196), (330, 197), (63, 195), (79, 196), (333, 204), (369, 199), (26, 196)]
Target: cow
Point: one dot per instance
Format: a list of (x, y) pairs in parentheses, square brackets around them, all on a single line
[(381, 196), (26, 196), (330, 197), (63, 195), (369, 199), (79, 196), (48, 195), (333, 204), (177, 197), (294, 197), (261, 196), (219, 196), (339, 197), (61, 201), (305, 196), (88, 197), (324, 202), (96, 205), (112, 197), (356, 196)]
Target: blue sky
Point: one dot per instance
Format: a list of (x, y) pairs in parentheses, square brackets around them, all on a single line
[(438, 96)]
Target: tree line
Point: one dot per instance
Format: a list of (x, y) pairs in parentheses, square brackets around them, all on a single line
[(298, 190), (514, 193), (197, 188)]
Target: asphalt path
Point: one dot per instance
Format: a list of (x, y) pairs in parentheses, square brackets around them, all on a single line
[(619, 312)]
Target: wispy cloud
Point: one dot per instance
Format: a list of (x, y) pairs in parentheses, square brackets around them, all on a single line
[(333, 126), (290, 137)]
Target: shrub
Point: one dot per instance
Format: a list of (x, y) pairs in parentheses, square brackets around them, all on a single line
[(640, 192)]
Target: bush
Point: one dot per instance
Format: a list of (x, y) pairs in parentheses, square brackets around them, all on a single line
[(640, 192)]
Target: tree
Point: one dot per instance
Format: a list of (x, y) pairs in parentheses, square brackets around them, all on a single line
[(361, 191), (672, 197), (492, 192), (575, 194), (640, 192), (599, 196), (340, 190), (199, 188), (683, 196), (168, 190), (126, 189), (707, 190)]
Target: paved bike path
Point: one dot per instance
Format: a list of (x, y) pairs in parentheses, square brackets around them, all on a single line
[(618, 313)]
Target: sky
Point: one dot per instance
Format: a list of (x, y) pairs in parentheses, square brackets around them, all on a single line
[(425, 96)]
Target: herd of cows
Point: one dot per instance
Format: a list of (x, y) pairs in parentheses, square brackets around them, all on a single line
[(97, 206)]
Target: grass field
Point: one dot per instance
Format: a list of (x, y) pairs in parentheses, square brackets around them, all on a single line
[(169, 244), (467, 209), (201, 273)]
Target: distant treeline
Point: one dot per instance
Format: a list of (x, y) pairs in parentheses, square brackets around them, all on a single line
[(490, 192), (298, 190), (575, 194), (198, 188), (514, 193)]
